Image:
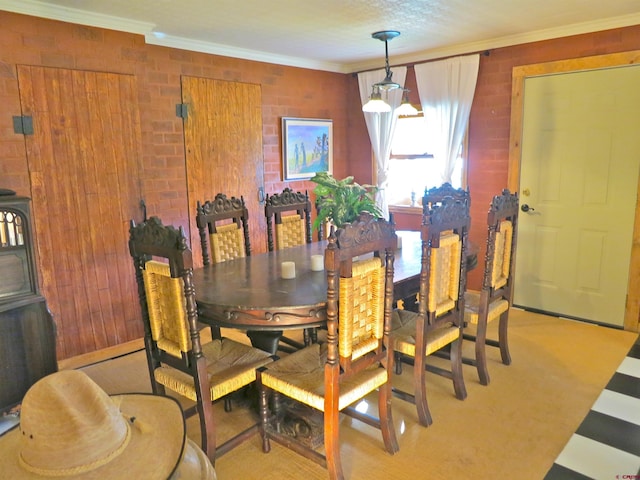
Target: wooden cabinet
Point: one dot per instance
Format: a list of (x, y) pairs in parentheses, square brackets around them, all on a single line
[(27, 330)]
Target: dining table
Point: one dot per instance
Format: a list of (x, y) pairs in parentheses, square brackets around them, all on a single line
[(251, 294)]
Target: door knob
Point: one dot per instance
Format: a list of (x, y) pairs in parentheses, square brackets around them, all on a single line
[(526, 208)]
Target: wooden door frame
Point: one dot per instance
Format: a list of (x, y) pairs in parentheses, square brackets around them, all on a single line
[(519, 74)]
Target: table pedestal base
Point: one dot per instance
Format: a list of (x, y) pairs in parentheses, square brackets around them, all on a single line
[(300, 422), (265, 340)]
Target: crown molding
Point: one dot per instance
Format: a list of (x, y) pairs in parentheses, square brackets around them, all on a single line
[(506, 41), (74, 15), (243, 53), (82, 17)]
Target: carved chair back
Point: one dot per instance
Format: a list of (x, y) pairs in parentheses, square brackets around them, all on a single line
[(359, 292), (435, 195), (167, 296), (291, 213), (445, 233), (176, 357), (223, 225), (502, 223)]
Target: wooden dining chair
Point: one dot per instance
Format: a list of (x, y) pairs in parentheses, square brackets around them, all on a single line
[(288, 214), (176, 357), (435, 195), (494, 299), (223, 224), (438, 324), (355, 361), (291, 213)]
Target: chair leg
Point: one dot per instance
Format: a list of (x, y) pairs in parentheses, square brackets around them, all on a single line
[(207, 429), (309, 335), (456, 369), (332, 445), (397, 361), (386, 418), (313, 335), (205, 410), (502, 338), (264, 415), (215, 333), (481, 353), (420, 392)]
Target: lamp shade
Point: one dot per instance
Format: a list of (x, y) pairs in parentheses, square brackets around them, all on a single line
[(405, 108), (375, 103)]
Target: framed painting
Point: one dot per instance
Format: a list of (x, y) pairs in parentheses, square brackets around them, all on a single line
[(307, 147)]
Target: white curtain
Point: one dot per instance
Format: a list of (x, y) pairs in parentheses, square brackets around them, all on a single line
[(381, 127), (446, 90)]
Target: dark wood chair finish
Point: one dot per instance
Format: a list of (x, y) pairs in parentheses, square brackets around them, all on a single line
[(210, 215), (435, 195), (351, 364), (495, 297), (177, 359), (289, 215), (288, 203), (438, 324)]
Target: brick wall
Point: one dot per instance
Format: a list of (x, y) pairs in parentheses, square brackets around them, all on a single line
[(286, 91)]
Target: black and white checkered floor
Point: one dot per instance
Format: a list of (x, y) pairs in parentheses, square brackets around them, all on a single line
[(606, 445)]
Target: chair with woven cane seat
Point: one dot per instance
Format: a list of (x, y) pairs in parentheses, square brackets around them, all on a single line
[(355, 360), (494, 299), (176, 357), (433, 196), (291, 213), (439, 320), (224, 229)]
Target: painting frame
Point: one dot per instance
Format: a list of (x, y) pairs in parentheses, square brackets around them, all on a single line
[(300, 135)]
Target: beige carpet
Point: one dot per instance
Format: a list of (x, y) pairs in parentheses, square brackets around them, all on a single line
[(514, 428)]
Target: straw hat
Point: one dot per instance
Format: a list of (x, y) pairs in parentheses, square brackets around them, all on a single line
[(70, 428)]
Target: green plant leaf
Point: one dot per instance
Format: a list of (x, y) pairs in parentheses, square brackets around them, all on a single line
[(342, 201)]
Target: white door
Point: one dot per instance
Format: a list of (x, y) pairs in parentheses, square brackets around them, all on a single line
[(579, 174)]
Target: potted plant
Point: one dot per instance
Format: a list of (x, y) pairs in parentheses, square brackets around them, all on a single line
[(342, 201)]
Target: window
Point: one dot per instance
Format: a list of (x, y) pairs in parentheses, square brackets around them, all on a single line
[(412, 167)]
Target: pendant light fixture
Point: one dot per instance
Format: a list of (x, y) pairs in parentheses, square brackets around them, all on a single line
[(405, 108), (375, 103)]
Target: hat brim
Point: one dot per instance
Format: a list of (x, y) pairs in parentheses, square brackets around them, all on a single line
[(154, 450)]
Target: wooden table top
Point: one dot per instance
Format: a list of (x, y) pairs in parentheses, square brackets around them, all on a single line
[(249, 293)]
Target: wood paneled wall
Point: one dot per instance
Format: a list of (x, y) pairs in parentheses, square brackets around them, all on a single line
[(286, 92)]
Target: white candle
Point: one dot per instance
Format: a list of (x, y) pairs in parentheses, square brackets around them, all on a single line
[(399, 242), (317, 263), (288, 269)]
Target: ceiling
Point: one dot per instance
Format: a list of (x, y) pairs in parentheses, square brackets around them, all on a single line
[(335, 35)]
